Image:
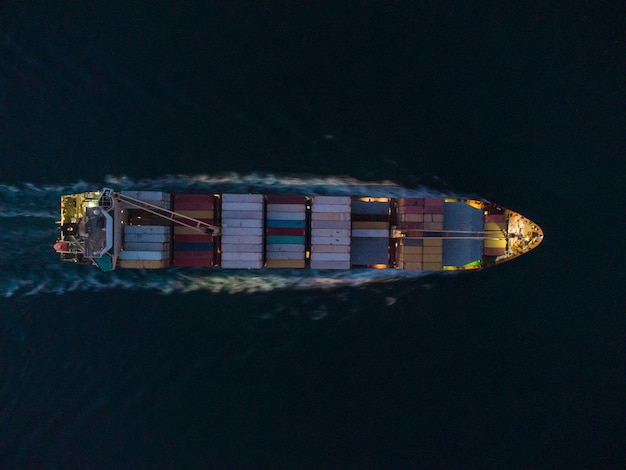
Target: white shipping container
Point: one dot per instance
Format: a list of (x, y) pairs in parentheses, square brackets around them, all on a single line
[(285, 208), (285, 247), (145, 255), (242, 239), (284, 255), (330, 256), (239, 215), (330, 216), (330, 264), (330, 232), (146, 246), (332, 200), (242, 206), (241, 256), (331, 208), (242, 198), (340, 224), (146, 237), (156, 229), (238, 264), (285, 216), (330, 249), (242, 247), (242, 223), (362, 232), (330, 240), (242, 231)]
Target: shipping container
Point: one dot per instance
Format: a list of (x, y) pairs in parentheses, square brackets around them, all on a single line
[(335, 224), (287, 247), (252, 239), (193, 238), (370, 233), (285, 208), (330, 264), (180, 230), (286, 223), (242, 198), (330, 249), (370, 225), (241, 256), (496, 218), (146, 246), (411, 210), (242, 206), (330, 256), (144, 255), (143, 264), (432, 266), (146, 237), (238, 215), (362, 207), (206, 214), (246, 223), (192, 262), (155, 198), (323, 232), (238, 264), (431, 258), (228, 231), (192, 246), (284, 263), (299, 232), (185, 255), (410, 201), (412, 218), (285, 216), (330, 208), (284, 255), (330, 240), (154, 229), (284, 239), (330, 216), (334, 200), (242, 247), (494, 251), (413, 265), (433, 226)]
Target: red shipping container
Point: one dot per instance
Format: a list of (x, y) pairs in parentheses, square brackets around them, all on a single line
[(286, 200), (433, 209), (434, 201), (412, 210), (193, 238), (200, 262), (193, 202), (411, 225), (411, 201), (286, 231), (193, 254)]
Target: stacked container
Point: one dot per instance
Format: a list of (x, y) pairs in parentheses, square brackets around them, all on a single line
[(156, 198), (242, 231), (422, 221), (330, 232), (495, 227), (370, 233), (411, 221), (145, 246), (286, 221), (191, 247), (433, 226)]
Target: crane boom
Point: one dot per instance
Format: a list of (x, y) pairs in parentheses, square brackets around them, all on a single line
[(175, 217)]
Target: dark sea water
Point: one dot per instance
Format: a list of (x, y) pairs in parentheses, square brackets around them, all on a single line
[(517, 366)]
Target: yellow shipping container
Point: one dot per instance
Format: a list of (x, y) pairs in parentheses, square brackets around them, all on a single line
[(370, 225), (411, 217), (433, 225), (412, 266), (430, 266), (430, 242), (284, 263), (143, 263), (432, 258), (410, 257)]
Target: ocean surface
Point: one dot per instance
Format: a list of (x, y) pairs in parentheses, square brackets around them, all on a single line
[(517, 366)]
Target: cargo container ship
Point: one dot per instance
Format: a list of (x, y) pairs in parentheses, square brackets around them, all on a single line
[(152, 230)]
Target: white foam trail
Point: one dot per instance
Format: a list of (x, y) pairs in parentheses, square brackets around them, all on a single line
[(29, 265)]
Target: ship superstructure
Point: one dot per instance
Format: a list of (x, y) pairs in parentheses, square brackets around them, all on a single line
[(152, 229)]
